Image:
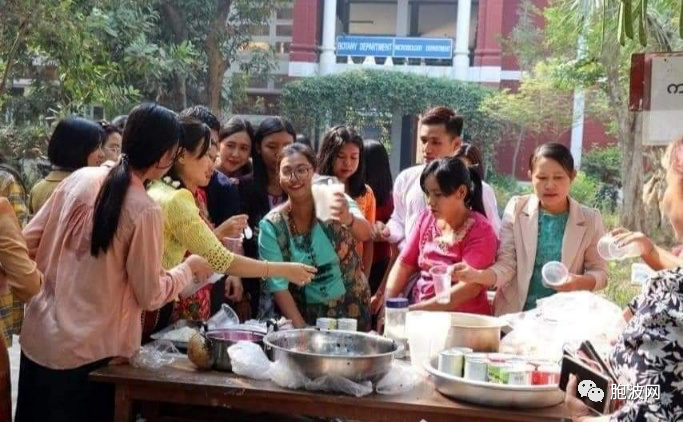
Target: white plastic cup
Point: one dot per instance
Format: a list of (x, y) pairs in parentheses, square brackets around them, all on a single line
[(609, 251), (441, 278), (347, 324), (193, 287), (324, 198), (554, 274), (234, 244), (326, 323)]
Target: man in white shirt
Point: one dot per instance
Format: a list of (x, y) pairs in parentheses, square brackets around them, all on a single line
[(440, 131)]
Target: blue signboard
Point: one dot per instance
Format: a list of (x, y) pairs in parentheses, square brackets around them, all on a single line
[(413, 48)]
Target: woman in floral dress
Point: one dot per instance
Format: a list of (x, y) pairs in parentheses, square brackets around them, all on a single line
[(292, 232), (650, 350)]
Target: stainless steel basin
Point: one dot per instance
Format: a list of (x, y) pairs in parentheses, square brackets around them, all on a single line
[(349, 354)]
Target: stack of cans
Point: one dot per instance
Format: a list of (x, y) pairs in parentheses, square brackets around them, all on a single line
[(498, 368)]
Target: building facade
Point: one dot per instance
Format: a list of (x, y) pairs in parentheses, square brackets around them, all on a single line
[(322, 37)]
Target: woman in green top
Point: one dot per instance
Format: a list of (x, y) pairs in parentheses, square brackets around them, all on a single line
[(546, 226), (291, 232), (187, 229)]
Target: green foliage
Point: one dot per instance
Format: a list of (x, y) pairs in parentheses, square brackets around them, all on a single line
[(115, 53), (619, 288), (603, 164), (22, 141), (506, 187), (539, 105), (369, 98), (583, 189)]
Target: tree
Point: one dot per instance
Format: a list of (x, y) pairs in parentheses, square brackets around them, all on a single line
[(606, 67), (69, 50), (114, 53), (538, 107), (221, 29)]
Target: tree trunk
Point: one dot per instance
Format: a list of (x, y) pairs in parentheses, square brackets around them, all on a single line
[(18, 40), (515, 154), (216, 60), (177, 95), (632, 212), (629, 126), (217, 66)]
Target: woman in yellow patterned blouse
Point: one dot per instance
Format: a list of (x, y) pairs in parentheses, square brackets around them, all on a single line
[(185, 231)]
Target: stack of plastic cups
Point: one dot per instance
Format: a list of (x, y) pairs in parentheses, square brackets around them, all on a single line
[(610, 251)]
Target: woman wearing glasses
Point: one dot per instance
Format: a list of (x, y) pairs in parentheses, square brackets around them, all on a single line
[(112, 141), (291, 232), (187, 229)]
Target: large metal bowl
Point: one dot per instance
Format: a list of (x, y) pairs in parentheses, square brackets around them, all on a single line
[(496, 395), (480, 333), (349, 354)]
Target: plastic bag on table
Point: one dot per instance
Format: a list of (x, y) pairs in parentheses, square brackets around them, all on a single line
[(564, 318), (400, 379), (155, 355), (286, 377), (338, 384), (249, 360), (224, 318)]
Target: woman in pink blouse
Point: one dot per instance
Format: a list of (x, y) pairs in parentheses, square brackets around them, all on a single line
[(453, 230), (98, 241)]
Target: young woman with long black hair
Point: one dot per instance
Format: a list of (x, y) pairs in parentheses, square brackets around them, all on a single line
[(453, 229), (98, 241), (261, 192)]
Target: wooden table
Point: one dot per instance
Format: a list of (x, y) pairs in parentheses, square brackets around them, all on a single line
[(182, 384)]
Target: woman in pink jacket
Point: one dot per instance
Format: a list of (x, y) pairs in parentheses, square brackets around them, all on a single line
[(98, 241)]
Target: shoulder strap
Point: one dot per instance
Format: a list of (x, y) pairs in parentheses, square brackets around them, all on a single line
[(282, 236)]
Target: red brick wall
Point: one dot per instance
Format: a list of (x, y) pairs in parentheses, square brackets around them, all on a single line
[(593, 136)]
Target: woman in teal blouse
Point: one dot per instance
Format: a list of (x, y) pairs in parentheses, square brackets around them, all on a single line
[(551, 228), (291, 232), (548, 225)]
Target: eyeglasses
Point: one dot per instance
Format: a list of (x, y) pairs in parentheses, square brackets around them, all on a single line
[(113, 148), (298, 173)]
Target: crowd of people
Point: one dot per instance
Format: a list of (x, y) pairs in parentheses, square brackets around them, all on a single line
[(136, 211)]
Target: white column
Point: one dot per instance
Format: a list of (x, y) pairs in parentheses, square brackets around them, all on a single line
[(461, 61), (402, 18), (327, 57)]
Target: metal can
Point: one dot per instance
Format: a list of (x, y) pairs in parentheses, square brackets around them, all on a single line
[(498, 372), (540, 362), (476, 367), (499, 357), (347, 324), (464, 350), (451, 362), (516, 360), (326, 323), (520, 374), (545, 375)]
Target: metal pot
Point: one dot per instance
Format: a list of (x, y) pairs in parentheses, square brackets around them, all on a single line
[(352, 355), (478, 332), (220, 340)]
